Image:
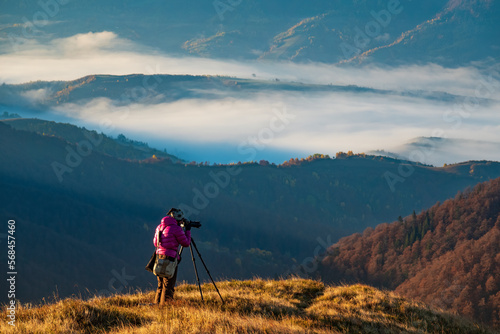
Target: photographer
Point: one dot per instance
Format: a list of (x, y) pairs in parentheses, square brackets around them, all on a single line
[(171, 236)]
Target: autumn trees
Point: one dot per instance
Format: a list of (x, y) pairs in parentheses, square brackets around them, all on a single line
[(448, 255)]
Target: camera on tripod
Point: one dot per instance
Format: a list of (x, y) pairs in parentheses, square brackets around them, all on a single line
[(191, 223)]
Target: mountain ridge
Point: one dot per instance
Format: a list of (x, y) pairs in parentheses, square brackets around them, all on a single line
[(244, 30), (136, 88), (120, 147)]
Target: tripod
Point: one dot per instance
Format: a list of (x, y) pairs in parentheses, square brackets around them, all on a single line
[(196, 270)]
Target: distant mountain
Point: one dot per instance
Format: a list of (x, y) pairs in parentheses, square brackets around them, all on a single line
[(442, 32), (124, 90), (95, 212), (447, 32), (120, 147), (448, 255), (437, 151)]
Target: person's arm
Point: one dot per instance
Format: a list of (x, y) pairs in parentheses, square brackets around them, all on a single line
[(154, 239), (183, 238)]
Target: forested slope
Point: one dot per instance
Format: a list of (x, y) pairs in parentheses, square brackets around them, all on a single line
[(448, 256)]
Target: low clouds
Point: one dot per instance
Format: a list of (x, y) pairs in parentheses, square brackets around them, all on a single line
[(86, 44), (319, 123), (438, 151), (36, 95), (323, 122)]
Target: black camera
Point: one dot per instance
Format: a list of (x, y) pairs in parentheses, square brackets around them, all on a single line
[(190, 223)]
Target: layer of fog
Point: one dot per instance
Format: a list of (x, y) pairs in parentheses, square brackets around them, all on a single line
[(276, 127), (438, 151), (230, 129)]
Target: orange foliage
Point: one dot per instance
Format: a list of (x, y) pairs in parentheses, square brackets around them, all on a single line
[(448, 256)]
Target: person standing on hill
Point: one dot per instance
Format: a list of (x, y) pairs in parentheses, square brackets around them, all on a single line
[(171, 236)]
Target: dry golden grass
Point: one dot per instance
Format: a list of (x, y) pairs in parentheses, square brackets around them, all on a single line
[(257, 306)]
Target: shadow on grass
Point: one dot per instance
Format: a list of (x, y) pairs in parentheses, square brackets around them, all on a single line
[(94, 319)]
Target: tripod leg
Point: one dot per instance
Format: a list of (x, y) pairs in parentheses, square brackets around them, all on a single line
[(196, 271), (203, 262)]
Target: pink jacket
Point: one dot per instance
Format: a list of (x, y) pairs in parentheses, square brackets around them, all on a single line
[(171, 237)]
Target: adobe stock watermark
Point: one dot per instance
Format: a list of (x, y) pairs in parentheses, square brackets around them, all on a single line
[(281, 119), (117, 284), (248, 149), (31, 28), (223, 6), (74, 156), (372, 29), (310, 264), (486, 88), (11, 272)]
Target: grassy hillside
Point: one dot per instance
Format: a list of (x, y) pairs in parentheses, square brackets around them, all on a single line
[(257, 306)]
